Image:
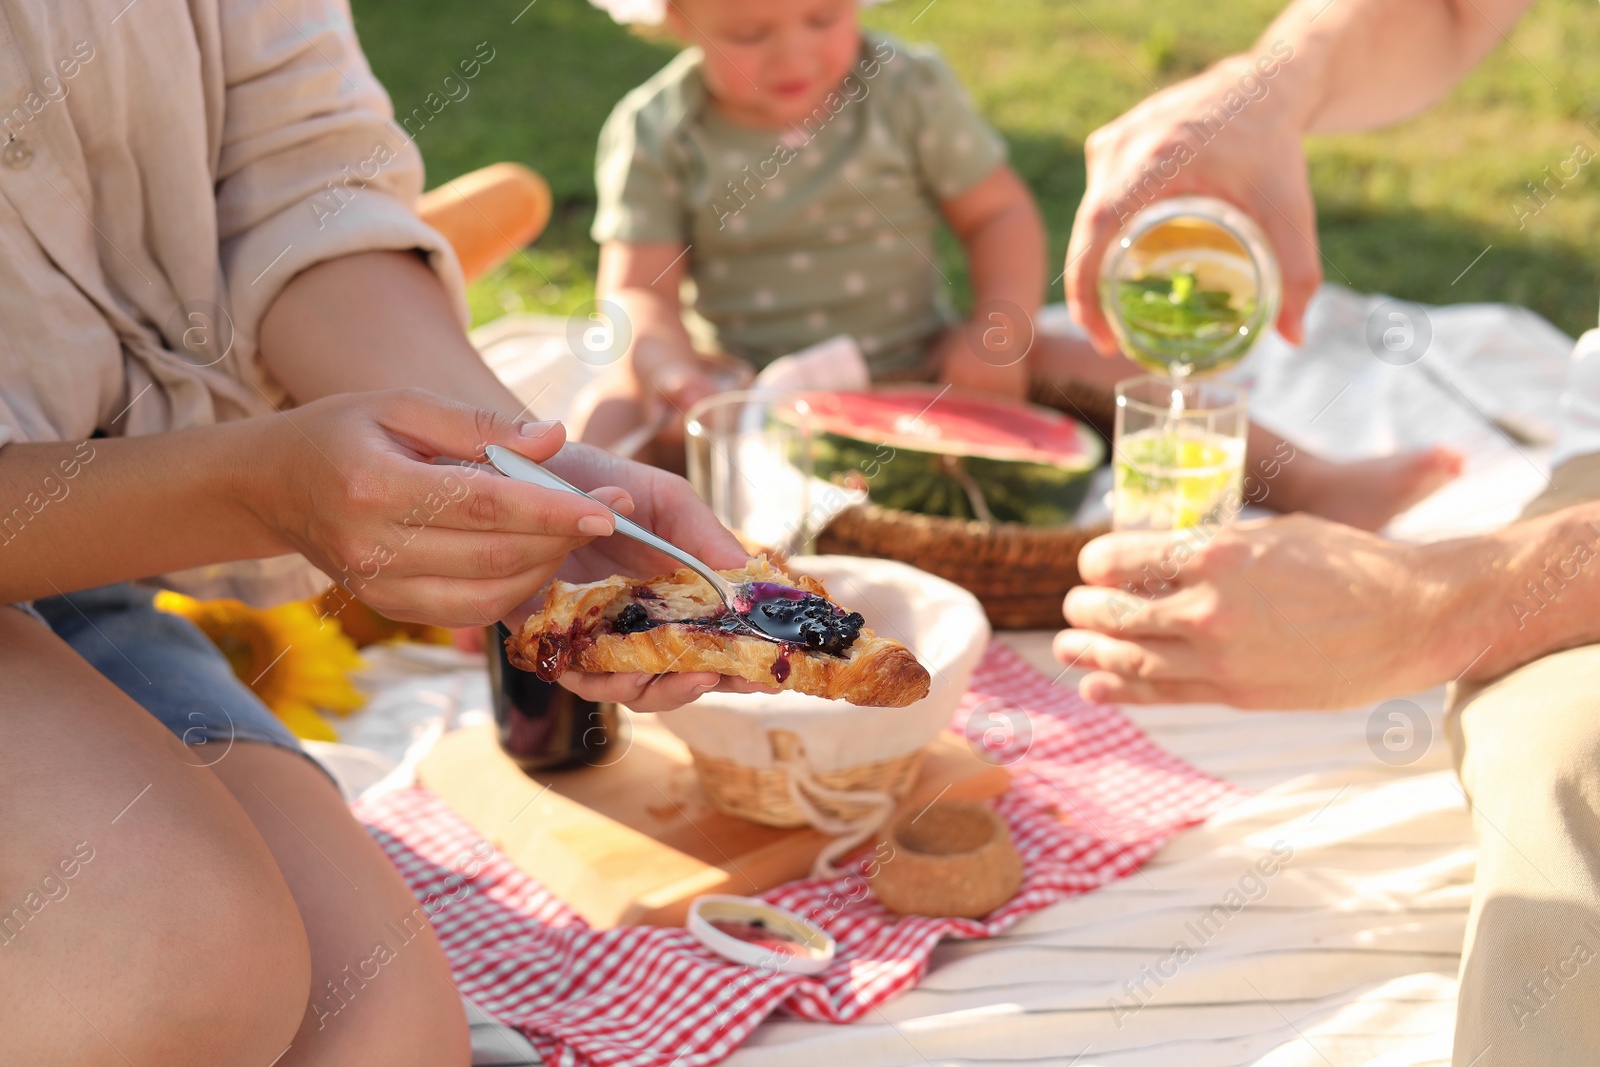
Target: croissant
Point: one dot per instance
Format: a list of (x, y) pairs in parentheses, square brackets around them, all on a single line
[(677, 623)]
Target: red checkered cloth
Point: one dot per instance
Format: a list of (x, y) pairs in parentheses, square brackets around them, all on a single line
[(1093, 798)]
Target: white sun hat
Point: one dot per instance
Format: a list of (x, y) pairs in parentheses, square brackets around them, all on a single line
[(651, 12)]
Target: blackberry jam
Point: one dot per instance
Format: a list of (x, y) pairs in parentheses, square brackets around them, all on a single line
[(810, 622), (632, 619)]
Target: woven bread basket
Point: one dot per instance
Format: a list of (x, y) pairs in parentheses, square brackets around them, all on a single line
[(1018, 573), (762, 794), (787, 759)]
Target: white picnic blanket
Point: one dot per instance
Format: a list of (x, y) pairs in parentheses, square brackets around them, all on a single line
[(1347, 953)]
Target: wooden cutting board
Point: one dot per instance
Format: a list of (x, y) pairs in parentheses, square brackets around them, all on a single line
[(637, 840)]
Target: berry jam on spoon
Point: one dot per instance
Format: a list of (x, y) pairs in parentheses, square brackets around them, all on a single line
[(797, 618), (762, 609)]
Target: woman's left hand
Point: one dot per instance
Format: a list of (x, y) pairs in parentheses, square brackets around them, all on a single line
[(664, 504), (655, 692)]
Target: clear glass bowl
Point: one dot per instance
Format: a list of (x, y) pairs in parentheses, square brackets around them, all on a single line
[(1190, 285)]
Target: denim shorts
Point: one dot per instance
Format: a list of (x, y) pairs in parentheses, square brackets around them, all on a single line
[(166, 664)]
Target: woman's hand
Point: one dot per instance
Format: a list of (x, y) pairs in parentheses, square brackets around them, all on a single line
[(655, 692), (666, 505), (350, 482), (662, 503), (1233, 132), (382, 317)]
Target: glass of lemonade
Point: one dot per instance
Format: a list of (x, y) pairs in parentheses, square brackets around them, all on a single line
[(1177, 453)]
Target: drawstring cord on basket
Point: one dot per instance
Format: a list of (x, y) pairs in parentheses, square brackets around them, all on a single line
[(848, 832)]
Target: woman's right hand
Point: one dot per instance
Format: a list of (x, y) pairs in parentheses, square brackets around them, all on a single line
[(1233, 132), (350, 483)]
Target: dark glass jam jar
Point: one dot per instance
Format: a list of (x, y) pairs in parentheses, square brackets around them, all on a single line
[(543, 726)]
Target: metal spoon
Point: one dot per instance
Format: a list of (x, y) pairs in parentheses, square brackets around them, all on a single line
[(737, 598)]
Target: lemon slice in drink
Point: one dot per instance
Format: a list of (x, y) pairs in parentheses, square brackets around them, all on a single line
[(1227, 272), (1206, 476), (1169, 481)]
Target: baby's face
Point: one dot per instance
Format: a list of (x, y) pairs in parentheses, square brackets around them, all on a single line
[(770, 62)]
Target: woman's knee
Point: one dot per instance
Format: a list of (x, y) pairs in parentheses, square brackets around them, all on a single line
[(219, 964), (178, 955), (228, 980), (168, 922), (392, 999)]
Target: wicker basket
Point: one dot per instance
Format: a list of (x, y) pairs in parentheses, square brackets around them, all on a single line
[(787, 759), (1019, 573), (1095, 405), (761, 794)]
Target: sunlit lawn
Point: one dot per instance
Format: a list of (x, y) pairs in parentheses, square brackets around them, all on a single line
[(1404, 211)]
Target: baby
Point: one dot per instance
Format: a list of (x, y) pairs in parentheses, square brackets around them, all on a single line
[(781, 182)]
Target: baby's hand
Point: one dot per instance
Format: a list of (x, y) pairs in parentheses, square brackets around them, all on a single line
[(682, 384), (965, 362), (673, 386)]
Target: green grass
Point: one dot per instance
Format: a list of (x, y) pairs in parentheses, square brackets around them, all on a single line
[(1403, 211)]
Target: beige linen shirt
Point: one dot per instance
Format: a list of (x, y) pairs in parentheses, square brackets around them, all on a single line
[(166, 167)]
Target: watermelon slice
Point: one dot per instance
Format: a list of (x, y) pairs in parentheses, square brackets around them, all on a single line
[(959, 456)]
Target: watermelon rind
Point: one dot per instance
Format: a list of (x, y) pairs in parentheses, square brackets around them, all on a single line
[(936, 476)]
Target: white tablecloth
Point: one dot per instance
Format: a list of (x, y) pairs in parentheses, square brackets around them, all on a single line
[(1348, 954)]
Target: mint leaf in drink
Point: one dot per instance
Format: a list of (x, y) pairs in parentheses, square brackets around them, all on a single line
[(1171, 319)]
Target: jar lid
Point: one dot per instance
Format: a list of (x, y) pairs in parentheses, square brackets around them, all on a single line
[(753, 932)]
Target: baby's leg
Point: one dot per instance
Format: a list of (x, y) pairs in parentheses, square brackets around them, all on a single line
[(1070, 358), (1365, 494)]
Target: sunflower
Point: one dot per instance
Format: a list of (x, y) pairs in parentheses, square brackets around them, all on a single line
[(363, 625), (294, 660)]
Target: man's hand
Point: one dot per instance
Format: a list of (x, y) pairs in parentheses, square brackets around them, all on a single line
[(1232, 132), (1294, 612)]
